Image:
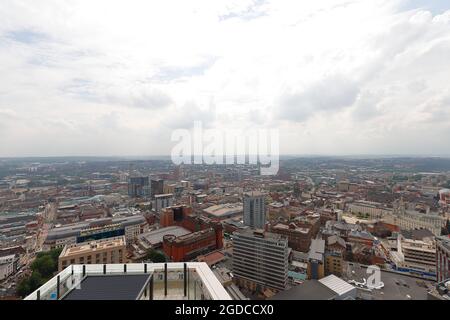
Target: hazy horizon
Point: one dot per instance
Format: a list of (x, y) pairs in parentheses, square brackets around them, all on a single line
[(138, 157)]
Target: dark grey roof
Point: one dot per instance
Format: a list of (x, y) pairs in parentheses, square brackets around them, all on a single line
[(61, 234), (8, 219), (417, 234), (309, 290), (129, 221), (109, 287), (362, 234)]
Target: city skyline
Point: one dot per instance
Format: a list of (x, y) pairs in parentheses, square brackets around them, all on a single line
[(212, 158), (322, 228), (109, 78)]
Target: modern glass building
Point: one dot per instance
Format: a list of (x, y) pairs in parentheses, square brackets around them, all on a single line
[(138, 187)]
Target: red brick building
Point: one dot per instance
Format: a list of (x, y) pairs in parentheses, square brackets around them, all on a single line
[(190, 246), (206, 236), (299, 237), (173, 216), (328, 215)]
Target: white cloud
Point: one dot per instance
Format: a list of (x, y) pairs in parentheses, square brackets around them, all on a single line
[(115, 77), (330, 94)]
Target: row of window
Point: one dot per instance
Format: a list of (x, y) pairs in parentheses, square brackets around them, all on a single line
[(98, 259)]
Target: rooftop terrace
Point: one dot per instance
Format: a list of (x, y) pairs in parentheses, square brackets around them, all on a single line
[(142, 281)]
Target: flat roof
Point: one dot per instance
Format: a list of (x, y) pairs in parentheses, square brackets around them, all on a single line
[(260, 234), (282, 226), (109, 287), (212, 258), (227, 209), (308, 290), (156, 236), (166, 195), (317, 249), (194, 235), (396, 286)]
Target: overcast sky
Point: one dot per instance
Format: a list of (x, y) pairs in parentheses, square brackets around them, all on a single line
[(106, 77)]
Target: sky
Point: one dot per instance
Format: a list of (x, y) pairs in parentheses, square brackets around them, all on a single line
[(110, 77)]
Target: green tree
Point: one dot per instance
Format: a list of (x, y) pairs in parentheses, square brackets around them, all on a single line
[(43, 267), (155, 256), (28, 285), (55, 253), (23, 289), (36, 280)]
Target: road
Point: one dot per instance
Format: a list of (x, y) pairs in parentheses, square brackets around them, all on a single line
[(8, 286)]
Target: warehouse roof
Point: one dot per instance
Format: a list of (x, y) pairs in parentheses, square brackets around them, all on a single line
[(337, 284), (225, 210)]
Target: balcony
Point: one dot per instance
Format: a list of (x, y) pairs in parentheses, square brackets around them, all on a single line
[(144, 281)]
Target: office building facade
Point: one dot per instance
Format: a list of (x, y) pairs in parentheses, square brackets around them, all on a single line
[(156, 187), (442, 258), (254, 210), (106, 251), (260, 260), (163, 201), (188, 247), (8, 265), (138, 187), (98, 229)]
